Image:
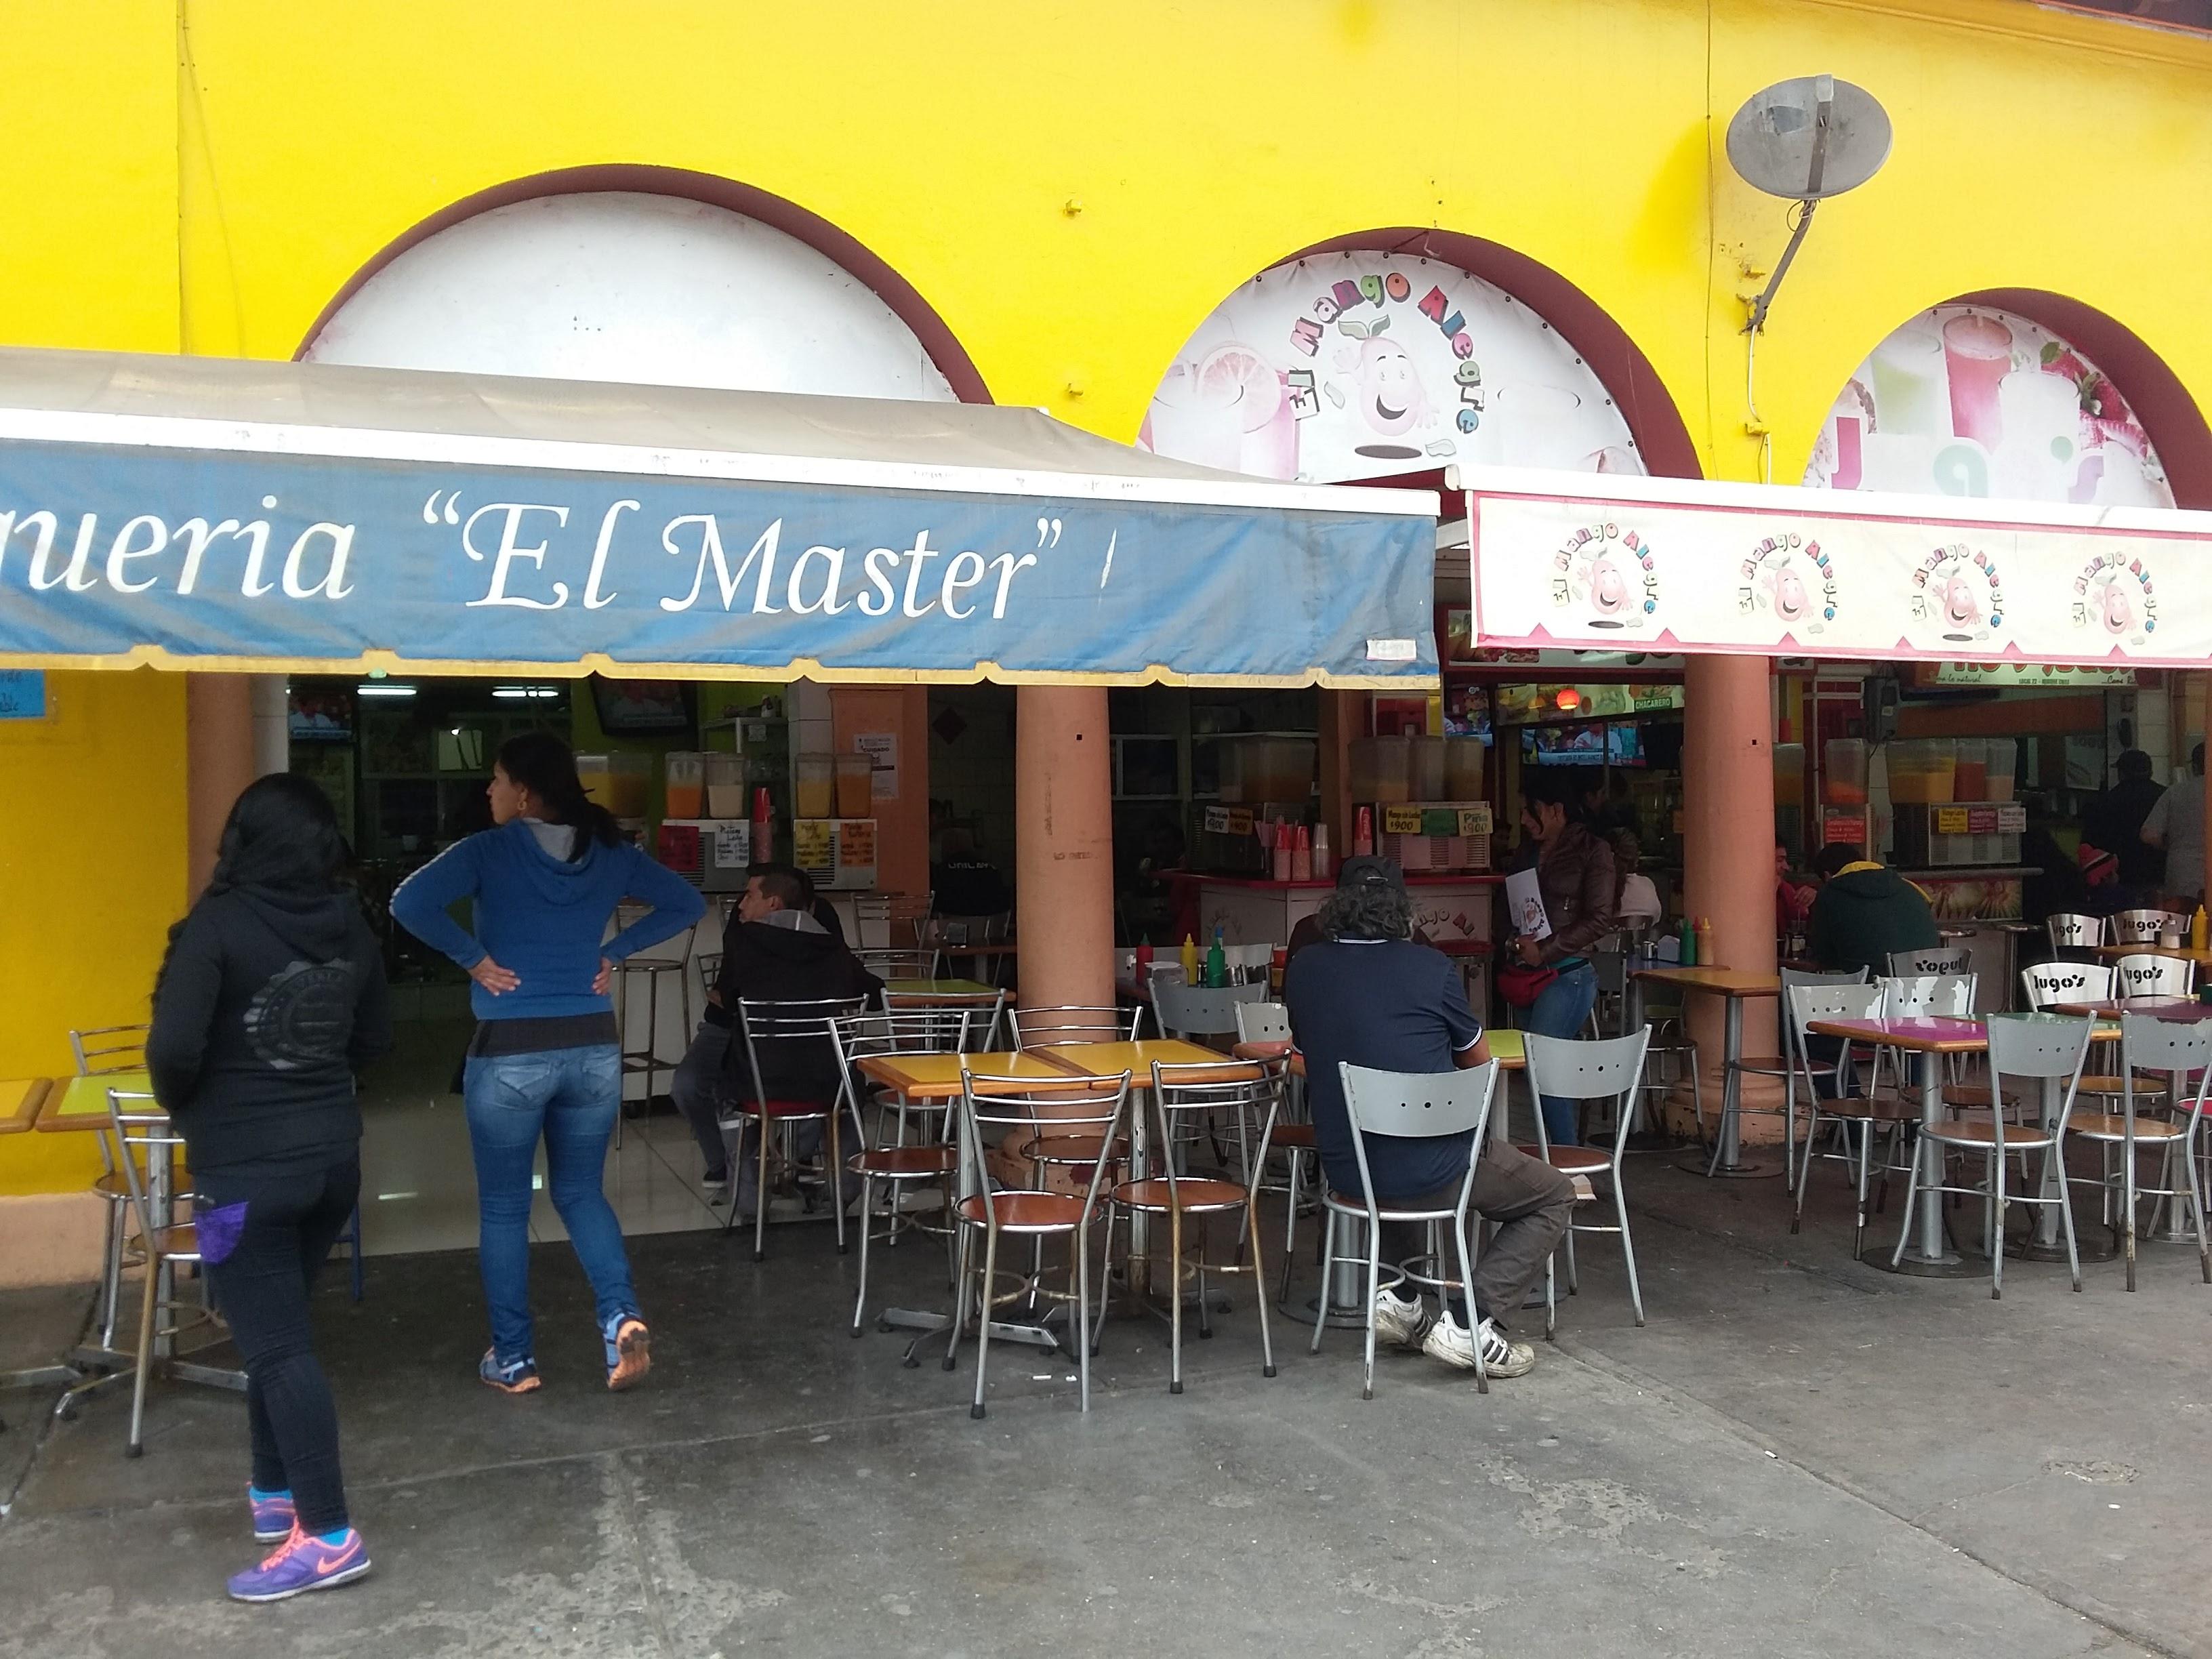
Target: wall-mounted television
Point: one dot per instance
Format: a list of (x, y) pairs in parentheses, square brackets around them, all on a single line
[(643, 708)]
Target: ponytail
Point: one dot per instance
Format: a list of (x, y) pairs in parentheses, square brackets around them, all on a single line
[(545, 766)]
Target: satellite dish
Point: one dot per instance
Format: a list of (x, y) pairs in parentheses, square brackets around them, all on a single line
[(1806, 140), (1810, 138)]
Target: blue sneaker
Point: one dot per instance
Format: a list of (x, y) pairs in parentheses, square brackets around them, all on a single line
[(305, 1562), (629, 1351), (273, 1514), (508, 1376)]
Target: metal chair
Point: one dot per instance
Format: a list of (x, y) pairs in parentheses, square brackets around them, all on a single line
[(1412, 1106), (2047, 983), (994, 1107), (1196, 1011), (1197, 1092), (1934, 996), (145, 1146), (1808, 1003), (1732, 1097), (2178, 1050), (1072, 1023), (2070, 930), (2144, 926), (1610, 968), (899, 1165), (985, 1011), (809, 1023), (1609, 1069), (2037, 1046), (110, 1051), (1263, 1032), (888, 963), (887, 922), (1948, 959), (2152, 975)]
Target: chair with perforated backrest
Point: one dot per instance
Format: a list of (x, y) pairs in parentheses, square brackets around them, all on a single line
[(1606, 1070), (1945, 959), (788, 1030), (1852, 1111), (894, 1163), (1927, 996), (2143, 927), (994, 1110), (1070, 1024), (1411, 1106), (147, 1146), (1201, 1092), (2028, 1047), (2071, 932), (2181, 1052), (1732, 1104), (2151, 974), (1263, 1031), (1198, 1010)]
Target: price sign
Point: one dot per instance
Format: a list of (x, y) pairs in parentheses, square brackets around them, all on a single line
[(1952, 821), (1475, 821), (733, 840), (1401, 820), (856, 840), (1228, 820), (812, 840)]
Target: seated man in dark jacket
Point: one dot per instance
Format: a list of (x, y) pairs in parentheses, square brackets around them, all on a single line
[(773, 951), (1864, 911)]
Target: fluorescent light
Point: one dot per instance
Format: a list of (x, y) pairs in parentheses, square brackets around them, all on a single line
[(374, 690), (534, 693)]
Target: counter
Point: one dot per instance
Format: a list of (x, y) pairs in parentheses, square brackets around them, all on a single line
[(1978, 905), (1453, 910)]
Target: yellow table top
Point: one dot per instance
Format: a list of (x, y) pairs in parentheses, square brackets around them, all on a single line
[(937, 1077), (2114, 952), (941, 987), (81, 1102), (1106, 1059), (19, 1100)]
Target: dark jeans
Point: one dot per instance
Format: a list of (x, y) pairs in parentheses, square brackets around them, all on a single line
[(703, 1089), (568, 1096), (1530, 1202), (261, 1287), (1562, 1009)]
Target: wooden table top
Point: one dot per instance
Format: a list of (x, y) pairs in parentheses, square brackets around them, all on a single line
[(19, 1100), (81, 1102), (1716, 982), (2184, 1010), (2113, 952)]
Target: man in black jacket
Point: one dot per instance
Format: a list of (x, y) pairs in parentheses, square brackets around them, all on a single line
[(773, 951)]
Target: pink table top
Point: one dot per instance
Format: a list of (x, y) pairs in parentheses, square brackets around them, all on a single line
[(1937, 1033)]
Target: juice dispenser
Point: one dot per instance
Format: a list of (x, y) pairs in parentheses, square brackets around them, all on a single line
[(726, 797), (685, 780), (856, 787), (817, 787)]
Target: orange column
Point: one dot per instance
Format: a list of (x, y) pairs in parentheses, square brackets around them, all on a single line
[(1727, 840), (1064, 846), (218, 763), (901, 712)]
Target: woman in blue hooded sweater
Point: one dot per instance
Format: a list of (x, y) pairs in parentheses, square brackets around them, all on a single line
[(546, 1060)]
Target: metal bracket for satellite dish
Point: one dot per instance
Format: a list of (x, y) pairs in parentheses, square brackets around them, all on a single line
[(1770, 148), (1824, 110)]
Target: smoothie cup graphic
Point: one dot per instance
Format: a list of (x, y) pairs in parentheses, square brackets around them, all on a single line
[(1909, 394), (1977, 356), (2042, 419)]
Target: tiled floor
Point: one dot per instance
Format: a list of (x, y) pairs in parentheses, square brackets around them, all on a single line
[(418, 1190)]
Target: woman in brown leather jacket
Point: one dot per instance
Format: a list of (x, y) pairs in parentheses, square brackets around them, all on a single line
[(1575, 874)]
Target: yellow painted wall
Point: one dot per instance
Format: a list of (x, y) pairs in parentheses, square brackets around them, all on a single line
[(1072, 186)]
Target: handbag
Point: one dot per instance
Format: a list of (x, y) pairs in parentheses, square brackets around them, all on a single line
[(1521, 986)]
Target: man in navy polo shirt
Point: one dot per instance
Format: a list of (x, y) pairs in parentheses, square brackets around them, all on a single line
[(1370, 995)]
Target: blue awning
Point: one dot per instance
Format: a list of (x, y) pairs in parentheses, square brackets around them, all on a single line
[(217, 514)]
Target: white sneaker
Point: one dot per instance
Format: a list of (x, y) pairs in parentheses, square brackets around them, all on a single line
[(1398, 1319), (1449, 1340)]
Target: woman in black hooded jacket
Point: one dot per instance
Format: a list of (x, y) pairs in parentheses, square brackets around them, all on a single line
[(271, 997)]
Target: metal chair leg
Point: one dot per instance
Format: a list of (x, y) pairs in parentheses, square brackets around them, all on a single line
[(136, 1446), (960, 1302), (1374, 1289), (1627, 1246), (1259, 1284), (1082, 1243), (983, 1323), (1996, 1214), (867, 1209), (1174, 1299), (1327, 1268), (760, 1192)]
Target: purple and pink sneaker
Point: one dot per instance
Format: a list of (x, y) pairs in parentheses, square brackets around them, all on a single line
[(273, 1514), (305, 1562)]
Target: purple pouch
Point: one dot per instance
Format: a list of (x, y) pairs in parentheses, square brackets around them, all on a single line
[(219, 1231)]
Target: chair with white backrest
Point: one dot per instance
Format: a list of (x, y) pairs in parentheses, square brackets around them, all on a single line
[(1066, 1024), (2051, 983), (1733, 1105), (2026, 1047), (2070, 930), (1947, 959), (895, 1162), (1609, 1069), (1862, 1112), (2180, 1050), (2152, 973), (1199, 1010), (1933, 996), (1263, 1032), (1410, 1106), (2143, 927)]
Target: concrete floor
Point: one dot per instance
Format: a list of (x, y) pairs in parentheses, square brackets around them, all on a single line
[(1797, 1455)]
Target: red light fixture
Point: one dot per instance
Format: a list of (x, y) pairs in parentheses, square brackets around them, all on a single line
[(1569, 700)]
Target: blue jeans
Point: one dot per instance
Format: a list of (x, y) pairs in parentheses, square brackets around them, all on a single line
[(1562, 1009), (570, 1097)]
